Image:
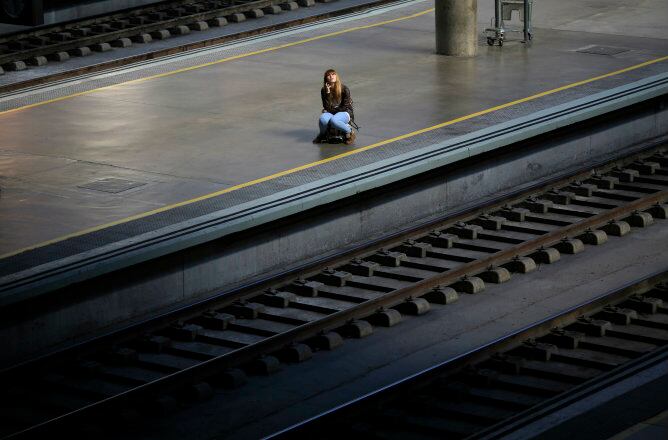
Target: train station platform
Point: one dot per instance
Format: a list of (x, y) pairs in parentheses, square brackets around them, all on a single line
[(219, 139)]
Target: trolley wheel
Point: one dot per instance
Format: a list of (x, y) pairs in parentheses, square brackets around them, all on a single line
[(530, 36), (490, 41)]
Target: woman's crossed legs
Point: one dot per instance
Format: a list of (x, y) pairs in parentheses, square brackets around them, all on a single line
[(339, 121)]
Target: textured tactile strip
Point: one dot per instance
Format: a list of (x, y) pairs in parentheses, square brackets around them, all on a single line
[(123, 231)]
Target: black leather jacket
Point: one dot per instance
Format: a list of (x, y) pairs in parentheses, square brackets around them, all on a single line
[(346, 104)]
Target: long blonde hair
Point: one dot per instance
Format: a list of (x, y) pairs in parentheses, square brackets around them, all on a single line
[(335, 95)]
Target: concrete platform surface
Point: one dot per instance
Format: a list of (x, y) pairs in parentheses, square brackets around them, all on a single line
[(84, 155)]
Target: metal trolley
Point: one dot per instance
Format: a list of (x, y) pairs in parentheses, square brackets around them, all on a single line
[(503, 10)]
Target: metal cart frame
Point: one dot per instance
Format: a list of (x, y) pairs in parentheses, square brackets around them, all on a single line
[(503, 8)]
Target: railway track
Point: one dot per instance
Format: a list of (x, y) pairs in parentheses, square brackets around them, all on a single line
[(137, 26), (497, 389), (185, 353), (143, 25)]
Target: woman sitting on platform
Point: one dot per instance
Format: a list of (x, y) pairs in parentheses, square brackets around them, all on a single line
[(337, 108)]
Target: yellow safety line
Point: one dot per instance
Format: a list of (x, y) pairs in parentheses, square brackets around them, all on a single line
[(223, 60), (333, 158)]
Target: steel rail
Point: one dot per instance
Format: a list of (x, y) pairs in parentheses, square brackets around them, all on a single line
[(96, 19), (135, 30), (588, 388), (363, 250), (211, 367), (105, 66), (504, 343), (247, 291)]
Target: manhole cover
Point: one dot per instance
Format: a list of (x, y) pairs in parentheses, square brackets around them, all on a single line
[(111, 185), (602, 50)]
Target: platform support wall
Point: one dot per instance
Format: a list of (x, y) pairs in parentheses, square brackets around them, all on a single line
[(456, 30)]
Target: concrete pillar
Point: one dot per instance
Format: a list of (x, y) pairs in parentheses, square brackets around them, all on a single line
[(456, 30)]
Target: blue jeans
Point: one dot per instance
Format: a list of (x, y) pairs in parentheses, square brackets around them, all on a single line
[(339, 121)]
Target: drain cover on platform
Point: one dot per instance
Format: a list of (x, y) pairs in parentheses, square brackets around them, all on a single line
[(602, 50), (111, 185)]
